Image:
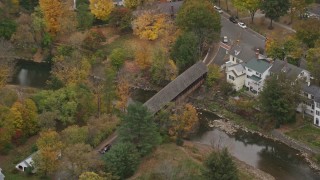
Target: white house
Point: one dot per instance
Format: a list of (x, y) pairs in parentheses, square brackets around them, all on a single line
[(1, 175), (256, 72), (28, 162), (312, 105), (236, 75), (118, 2)]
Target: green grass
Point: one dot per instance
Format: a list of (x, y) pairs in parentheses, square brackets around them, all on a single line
[(120, 42), (307, 134)]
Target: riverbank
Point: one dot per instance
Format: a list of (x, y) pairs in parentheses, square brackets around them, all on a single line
[(230, 127)]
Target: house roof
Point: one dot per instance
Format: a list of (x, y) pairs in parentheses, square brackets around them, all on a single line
[(243, 53), (175, 87), (290, 70), (255, 78), (238, 69), (312, 89), (259, 65)]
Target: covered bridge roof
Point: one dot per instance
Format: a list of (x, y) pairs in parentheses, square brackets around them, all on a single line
[(175, 87)]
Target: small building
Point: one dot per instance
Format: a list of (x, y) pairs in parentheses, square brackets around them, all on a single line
[(236, 75), (256, 72), (118, 2), (28, 162), (1, 175), (312, 104)]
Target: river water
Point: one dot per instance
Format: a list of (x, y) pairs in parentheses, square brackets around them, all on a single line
[(275, 158), (31, 74)]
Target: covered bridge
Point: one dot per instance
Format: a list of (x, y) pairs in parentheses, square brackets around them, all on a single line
[(180, 87)]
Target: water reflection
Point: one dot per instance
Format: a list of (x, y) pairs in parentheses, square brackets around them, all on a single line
[(275, 158)]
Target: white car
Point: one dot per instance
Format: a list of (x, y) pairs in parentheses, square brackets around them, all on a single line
[(218, 9), (242, 25), (225, 39)]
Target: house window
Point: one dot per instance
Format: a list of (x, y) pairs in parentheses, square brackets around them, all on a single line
[(231, 77), (317, 113), (317, 121), (249, 70), (318, 105), (312, 97), (257, 73)]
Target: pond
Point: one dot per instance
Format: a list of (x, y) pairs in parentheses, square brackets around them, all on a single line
[(31, 74), (275, 158)]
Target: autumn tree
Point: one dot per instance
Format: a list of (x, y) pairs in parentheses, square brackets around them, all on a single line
[(308, 32), (91, 176), (52, 10), (200, 18), (109, 89), (274, 9), (185, 51), (214, 75), (49, 149), (163, 69), (138, 128), (150, 25), (298, 6), (250, 5), (313, 63), (78, 158), (7, 129), (133, 4), (184, 121), (117, 57), (123, 90), (101, 9), (24, 36), (74, 134), (121, 18), (4, 74), (142, 56)]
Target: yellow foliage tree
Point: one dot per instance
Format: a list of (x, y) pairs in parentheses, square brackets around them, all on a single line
[(17, 116), (49, 150), (52, 10), (150, 26), (184, 121), (101, 8), (4, 73), (123, 94), (90, 176), (142, 57)]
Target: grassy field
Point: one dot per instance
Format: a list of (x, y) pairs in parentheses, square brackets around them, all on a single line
[(169, 161), (307, 134)]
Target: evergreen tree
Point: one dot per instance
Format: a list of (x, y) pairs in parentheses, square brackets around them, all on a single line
[(139, 128), (220, 166)]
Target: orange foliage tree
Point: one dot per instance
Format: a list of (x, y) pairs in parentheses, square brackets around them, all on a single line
[(101, 8), (52, 10), (122, 93)]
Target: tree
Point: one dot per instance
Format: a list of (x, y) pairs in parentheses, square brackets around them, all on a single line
[(29, 4), (101, 9), (298, 6), (274, 9), (280, 98), (123, 90), (91, 176), (142, 56), (78, 158), (313, 63), (220, 166), (8, 97), (122, 160), (109, 88), (4, 74), (117, 57), (121, 18), (74, 134), (133, 4), (7, 129), (49, 149), (151, 26), (184, 121), (52, 10), (308, 32), (251, 5), (184, 51), (214, 75), (84, 17), (47, 120), (138, 127), (7, 28), (200, 18), (163, 70)]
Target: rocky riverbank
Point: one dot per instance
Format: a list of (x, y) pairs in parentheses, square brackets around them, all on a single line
[(230, 127)]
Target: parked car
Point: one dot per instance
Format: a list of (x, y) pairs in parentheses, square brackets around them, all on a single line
[(105, 149), (233, 19), (225, 39), (242, 25), (218, 9)]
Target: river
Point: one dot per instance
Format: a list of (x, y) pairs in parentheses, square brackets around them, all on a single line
[(275, 158), (31, 74)]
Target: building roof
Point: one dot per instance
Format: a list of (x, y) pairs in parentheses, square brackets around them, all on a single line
[(259, 65), (290, 70), (312, 89), (255, 78), (243, 53), (175, 87), (238, 69)]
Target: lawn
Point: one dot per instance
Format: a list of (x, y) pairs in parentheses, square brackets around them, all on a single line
[(308, 134)]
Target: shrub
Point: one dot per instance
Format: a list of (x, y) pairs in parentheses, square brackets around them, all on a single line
[(118, 57)]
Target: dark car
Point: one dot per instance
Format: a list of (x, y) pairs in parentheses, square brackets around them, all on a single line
[(105, 149), (233, 19)]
